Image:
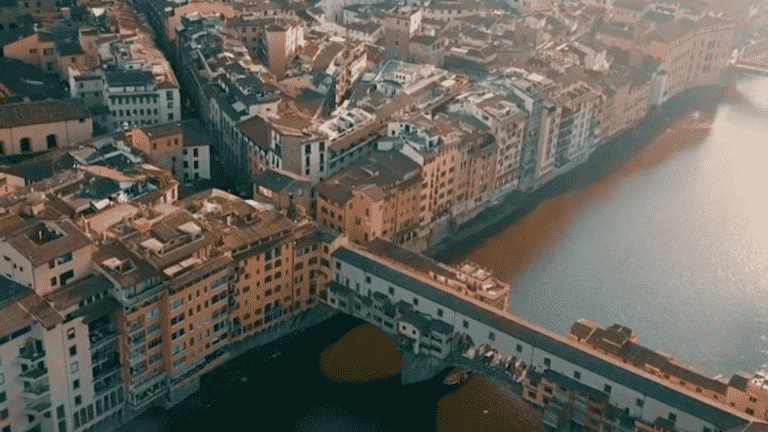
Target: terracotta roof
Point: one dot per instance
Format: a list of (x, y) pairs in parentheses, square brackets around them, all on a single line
[(384, 169), (675, 30), (39, 254), (43, 112), (78, 291), (22, 308)]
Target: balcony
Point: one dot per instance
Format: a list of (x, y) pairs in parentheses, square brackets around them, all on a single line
[(30, 356), (133, 328), (107, 384), (101, 337), (131, 299), (38, 408), (37, 394), (148, 391), (136, 343), (34, 375), (136, 357)]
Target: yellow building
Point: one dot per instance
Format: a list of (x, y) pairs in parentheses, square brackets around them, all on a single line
[(691, 52), (379, 197)]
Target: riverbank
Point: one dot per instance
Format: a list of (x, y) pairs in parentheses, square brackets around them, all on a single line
[(606, 160)]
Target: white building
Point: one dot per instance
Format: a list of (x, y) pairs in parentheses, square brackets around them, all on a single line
[(47, 381), (134, 97), (41, 254)]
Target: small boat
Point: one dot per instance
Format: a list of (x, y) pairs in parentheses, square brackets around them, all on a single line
[(456, 378), (244, 379)]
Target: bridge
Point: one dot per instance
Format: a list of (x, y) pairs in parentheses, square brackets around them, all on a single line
[(750, 68)]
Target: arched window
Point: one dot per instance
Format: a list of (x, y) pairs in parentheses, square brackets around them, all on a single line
[(25, 145), (51, 140)]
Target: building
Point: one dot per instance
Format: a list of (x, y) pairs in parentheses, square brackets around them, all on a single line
[(507, 123), (627, 11), (282, 43), (181, 148), (56, 49), (49, 357), (136, 99), (378, 198), (282, 189), (399, 26), (30, 127), (691, 52)]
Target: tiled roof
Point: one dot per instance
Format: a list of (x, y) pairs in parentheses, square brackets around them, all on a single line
[(274, 180), (78, 291), (39, 254), (549, 342), (675, 31), (43, 112), (383, 169), (128, 78)]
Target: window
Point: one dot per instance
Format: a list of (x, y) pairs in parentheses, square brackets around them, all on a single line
[(60, 412), (51, 141), (3, 397), (750, 411), (368, 279), (492, 336), (63, 426), (78, 400), (194, 152), (76, 384), (547, 361), (607, 389), (639, 403), (519, 348), (440, 312), (672, 417), (73, 350), (64, 277), (71, 333), (465, 324), (4, 414), (25, 145), (577, 374), (74, 367)]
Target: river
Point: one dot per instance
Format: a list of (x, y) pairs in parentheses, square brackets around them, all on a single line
[(674, 244)]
